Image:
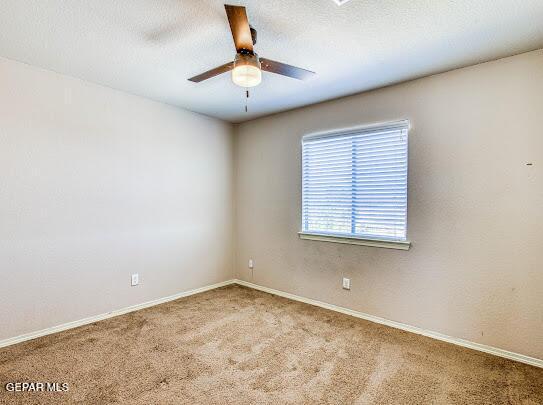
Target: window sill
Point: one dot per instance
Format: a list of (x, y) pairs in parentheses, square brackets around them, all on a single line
[(387, 244)]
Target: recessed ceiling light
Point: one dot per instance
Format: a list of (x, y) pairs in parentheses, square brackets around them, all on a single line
[(340, 2)]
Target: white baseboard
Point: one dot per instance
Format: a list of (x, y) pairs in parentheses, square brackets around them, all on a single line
[(435, 335), (91, 319)]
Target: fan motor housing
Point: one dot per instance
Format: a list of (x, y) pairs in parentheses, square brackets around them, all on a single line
[(253, 34)]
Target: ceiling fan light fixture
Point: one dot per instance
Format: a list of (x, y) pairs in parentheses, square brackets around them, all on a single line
[(247, 68), (246, 72)]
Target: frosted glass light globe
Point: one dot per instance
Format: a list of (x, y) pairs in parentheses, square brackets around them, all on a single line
[(246, 72)]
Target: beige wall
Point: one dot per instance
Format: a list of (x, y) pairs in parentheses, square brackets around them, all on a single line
[(475, 270), (97, 184)]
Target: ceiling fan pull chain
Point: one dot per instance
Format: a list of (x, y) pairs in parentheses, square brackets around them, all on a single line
[(246, 99)]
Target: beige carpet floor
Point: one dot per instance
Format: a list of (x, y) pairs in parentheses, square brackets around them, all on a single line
[(235, 345)]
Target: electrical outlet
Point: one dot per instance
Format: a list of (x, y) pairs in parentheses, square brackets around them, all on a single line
[(346, 283), (251, 264), (135, 280)]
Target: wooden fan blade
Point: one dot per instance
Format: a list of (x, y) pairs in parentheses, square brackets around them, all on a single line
[(286, 70), (213, 72), (239, 25)]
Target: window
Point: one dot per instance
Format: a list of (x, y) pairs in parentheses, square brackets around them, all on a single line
[(354, 183)]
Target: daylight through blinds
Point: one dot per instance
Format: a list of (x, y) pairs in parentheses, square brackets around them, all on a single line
[(355, 183)]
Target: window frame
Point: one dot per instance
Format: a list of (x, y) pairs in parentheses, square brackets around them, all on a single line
[(354, 239)]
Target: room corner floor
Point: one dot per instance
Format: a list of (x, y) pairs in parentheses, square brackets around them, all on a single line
[(235, 345)]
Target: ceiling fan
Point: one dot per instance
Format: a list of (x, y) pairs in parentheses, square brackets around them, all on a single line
[(247, 66)]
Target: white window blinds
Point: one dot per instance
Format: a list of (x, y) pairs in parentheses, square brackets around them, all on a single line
[(354, 183)]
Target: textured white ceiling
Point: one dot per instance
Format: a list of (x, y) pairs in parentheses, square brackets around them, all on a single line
[(151, 47)]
